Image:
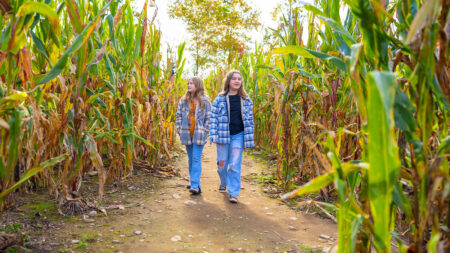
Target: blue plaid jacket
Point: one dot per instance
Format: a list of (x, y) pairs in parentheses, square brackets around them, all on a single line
[(201, 129), (219, 128)]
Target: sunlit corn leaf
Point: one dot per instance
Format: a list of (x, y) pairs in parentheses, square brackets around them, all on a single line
[(383, 153)]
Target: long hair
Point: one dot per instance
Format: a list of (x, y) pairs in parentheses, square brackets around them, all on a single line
[(199, 91), (226, 84)]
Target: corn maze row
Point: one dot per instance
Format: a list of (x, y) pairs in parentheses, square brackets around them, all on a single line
[(351, 97)]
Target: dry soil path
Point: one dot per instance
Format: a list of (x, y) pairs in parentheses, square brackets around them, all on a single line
[(173, 220)]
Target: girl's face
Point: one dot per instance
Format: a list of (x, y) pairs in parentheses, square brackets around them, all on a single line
[(191, 86), (236, 81)]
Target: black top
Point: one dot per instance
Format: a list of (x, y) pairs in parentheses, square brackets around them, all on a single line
[(236, 123)]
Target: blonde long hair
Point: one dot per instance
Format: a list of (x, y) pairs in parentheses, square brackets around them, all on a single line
[(199, 91), (226, 84)]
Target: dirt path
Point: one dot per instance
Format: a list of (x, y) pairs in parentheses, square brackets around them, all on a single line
[(173, 220)]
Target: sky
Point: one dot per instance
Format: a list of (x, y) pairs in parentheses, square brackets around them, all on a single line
[(174, 31)]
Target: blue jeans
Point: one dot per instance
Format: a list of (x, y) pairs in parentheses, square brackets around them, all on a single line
[(229, 161), (194, 152)]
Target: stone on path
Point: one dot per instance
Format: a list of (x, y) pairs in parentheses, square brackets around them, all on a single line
[(93, 213), (87, 220), (326, 237), (190, 202), (75, 241), (176, 196), (292, 228), (293, 218), (270, 214), (175, 238), (116, 241), (137, 232)]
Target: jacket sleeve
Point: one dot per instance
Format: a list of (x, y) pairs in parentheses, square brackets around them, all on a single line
[(251, 114), (207, 121), (214, 121), (178, 117)]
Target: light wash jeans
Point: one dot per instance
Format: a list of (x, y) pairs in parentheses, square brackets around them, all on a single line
[(231, 157), (194, 152)]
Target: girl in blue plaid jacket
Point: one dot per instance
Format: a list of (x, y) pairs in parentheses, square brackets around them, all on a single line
[(232, 129), (192, 121)]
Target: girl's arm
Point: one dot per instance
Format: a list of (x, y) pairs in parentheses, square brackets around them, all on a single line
[(213, 137), (178, 117)]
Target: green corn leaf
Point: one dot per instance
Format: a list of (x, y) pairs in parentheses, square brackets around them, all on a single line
[(336, 61), (426, 12), (40, 46), (297, 50), (321, 181), (354, 231), (338, 28), (403, 114), (433, 242), (401, 201), (93, 98), (307, 53), (100, 102), (29, 173), (276, 71), (99, 115), (20, 41), (112, 74), (112, 36), (55, 38), (13, 149), (440, 97), (143, 140), (74, 15), (312, 186), (79, 41), (41, 8), (2, 170), (313, 9), (444, 147), (383, 154)]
